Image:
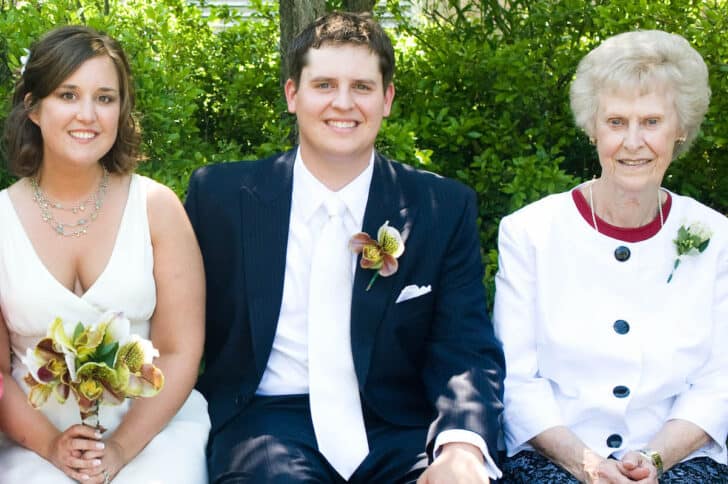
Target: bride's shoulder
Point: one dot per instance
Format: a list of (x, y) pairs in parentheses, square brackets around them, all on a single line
[(164, 208)]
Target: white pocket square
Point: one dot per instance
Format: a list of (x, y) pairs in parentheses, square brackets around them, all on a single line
[(412, 291)]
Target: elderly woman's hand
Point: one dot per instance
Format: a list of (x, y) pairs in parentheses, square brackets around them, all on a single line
[(637, 467), (610, 471)]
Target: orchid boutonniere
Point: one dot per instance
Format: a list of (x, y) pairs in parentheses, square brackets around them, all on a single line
[(690, 241), (381, 254)]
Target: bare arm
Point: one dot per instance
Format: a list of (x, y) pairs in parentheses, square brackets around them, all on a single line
[(565, 449), (177, 328), (676, 440), (25, 425)]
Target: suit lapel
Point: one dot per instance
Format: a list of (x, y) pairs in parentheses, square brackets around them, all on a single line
[(265, 207), (387, 202)]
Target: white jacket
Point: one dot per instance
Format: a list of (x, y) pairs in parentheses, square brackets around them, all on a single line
[(559, 292)]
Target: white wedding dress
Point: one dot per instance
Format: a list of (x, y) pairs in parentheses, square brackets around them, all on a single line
[(30, 298)]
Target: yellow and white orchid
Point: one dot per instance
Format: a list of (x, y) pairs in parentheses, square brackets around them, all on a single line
[(100, 364)]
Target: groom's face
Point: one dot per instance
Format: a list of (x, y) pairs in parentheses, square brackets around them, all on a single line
[(339, 103)]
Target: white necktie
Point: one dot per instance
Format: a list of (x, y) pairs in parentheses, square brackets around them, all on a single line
[(333, 388)]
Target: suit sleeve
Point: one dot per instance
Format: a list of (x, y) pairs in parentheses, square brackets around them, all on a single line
[(194, 212), (464, 367)]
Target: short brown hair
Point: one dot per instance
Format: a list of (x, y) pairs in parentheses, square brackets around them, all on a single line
[(342, 28), (51, 61)]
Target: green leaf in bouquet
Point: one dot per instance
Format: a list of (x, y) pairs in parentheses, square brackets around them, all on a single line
[(77, 331), (106, 353)]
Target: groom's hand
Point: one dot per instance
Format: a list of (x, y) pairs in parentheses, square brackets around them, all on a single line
[(458, 463)]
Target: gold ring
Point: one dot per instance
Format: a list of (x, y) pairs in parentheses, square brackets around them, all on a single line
[(107, 477)]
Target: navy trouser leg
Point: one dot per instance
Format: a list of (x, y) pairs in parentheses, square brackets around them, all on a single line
[(396, 454), (272, 441)]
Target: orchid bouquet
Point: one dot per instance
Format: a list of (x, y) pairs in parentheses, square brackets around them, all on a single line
[(100, 364)]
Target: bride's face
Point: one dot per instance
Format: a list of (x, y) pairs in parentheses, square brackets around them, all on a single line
[(79, 120)]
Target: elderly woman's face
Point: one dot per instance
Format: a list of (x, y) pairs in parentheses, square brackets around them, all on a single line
[(635, 137)]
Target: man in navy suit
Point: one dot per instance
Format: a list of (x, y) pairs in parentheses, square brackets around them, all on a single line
[(416, 346)]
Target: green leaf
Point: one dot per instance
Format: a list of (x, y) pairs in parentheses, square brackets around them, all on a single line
[(77, 331)]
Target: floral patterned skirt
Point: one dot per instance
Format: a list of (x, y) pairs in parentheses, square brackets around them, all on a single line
[(531, 468)]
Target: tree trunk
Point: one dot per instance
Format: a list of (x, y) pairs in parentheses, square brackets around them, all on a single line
[(359, 5), (295, 15)]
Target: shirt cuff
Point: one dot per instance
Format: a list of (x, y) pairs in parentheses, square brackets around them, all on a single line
[(467, 437)]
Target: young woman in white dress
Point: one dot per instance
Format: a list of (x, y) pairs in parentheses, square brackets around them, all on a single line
[(80, 235)]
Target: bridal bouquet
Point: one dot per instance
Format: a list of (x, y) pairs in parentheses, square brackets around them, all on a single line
[(100, 364)]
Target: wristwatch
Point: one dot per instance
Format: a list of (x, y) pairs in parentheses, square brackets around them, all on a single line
[(654, 457)]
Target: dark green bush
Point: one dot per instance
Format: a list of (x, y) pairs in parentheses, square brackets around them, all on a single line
[(482, 91), (203, 96), (485, 91)]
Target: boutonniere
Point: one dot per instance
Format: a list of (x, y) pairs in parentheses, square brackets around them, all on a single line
[(381, 254), (690, 241)]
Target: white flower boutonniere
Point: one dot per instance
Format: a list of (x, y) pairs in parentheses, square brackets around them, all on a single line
[(690, 241)]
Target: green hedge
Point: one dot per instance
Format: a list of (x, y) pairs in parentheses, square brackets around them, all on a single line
[(482, 92), (487, 96)]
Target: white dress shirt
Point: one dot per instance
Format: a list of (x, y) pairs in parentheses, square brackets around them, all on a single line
[(287, 370), (606, 348)]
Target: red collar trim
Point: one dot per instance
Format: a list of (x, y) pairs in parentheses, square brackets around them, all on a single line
[(636, 234)]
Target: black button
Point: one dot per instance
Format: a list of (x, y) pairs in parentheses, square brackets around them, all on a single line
[(620, 391), (614, 441), (621, 253), (621, 326)]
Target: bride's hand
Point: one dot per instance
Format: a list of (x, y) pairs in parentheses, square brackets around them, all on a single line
[(67, 452), (112, 460)]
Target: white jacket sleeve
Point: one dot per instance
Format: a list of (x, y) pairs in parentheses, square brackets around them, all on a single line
[(530, 406), (705, 403)]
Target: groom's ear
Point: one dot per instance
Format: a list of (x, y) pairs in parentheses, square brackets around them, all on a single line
[(290, 90), (388, 99)]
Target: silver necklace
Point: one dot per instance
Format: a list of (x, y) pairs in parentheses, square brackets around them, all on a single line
[(594, 217), (80, 227)]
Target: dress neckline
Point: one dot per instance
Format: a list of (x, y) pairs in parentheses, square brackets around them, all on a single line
[(29, 243), (624, 234)]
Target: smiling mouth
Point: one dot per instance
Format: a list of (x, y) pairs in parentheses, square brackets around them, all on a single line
[(82, 135), (342, 124), (634, 162)]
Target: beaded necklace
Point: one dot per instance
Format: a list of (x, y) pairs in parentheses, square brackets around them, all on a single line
[(80, 227)]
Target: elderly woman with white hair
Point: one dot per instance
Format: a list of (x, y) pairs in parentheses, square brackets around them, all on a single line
[(612, 298)]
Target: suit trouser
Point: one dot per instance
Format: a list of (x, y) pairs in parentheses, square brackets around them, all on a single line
[(273, 441)]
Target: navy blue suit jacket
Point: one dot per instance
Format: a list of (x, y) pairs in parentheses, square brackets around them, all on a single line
[(429, 361)]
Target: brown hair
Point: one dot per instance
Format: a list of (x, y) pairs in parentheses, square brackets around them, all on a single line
[(51, 61), (342, 28)]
